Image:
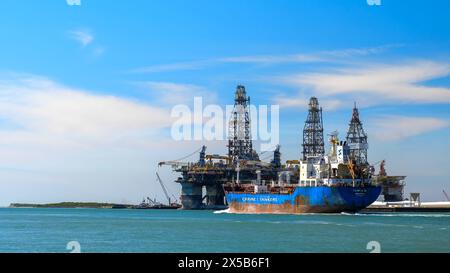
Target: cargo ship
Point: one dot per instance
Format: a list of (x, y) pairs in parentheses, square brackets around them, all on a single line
[(326, 184), (296, 200)]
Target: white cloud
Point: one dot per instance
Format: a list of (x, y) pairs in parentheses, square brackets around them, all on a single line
[(40, 105), (391, 128), (84, 37), (60, 143), (374, 84), (301, 102)]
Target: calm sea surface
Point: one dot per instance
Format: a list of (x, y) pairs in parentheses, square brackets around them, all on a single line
[(105, 230)]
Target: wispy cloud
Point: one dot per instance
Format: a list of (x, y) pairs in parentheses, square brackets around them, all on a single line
[(321, 56), (273, 59), (83, 36), (352, 52), (177, 93), (301, 102), (270, 59), (372, 84), (173, 67), (391, 128)]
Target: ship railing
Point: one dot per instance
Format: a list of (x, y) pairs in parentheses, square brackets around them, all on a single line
[(311, 183), (331, 182)]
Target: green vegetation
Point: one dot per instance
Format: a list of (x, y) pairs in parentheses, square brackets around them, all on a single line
[(92, 205)]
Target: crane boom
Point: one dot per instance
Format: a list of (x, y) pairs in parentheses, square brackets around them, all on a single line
[(446, 195), (163, 187)]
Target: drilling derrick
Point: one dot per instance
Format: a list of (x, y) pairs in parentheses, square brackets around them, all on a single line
[(313, 144), (357, 139), (240, 139)]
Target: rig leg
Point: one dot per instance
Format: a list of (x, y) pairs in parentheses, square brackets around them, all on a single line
[(191, 196), (215, 195)]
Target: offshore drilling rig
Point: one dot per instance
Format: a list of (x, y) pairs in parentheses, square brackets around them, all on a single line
[(202, 182)]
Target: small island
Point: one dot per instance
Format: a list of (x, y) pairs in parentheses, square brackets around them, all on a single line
[(90, 205)]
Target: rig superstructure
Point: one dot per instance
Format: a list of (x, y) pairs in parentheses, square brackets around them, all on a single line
[(205, 183)]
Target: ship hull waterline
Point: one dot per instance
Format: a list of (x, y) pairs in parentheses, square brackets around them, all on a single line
[(303, 200)]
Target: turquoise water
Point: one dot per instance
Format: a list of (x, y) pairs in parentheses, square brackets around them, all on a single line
[(97, 230)]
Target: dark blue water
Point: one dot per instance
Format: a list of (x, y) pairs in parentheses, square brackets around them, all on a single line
[(104, 230)]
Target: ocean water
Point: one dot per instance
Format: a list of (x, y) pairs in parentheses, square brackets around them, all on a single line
[(106, 230)]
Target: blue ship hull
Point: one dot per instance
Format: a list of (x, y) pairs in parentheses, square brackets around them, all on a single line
[(321, 199)]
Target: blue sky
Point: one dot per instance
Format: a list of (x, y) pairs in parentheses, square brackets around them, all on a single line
[(85, 91)]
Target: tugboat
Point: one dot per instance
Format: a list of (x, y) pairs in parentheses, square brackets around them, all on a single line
[(148, 203)]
